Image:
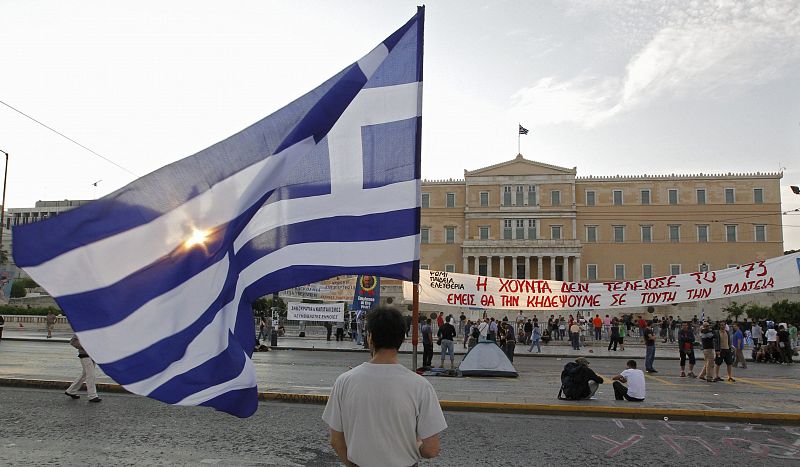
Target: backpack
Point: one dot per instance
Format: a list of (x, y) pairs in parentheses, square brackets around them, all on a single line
[(568, 381)]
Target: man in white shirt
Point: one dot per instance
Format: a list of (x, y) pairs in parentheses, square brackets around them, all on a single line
[(635, 391), (483, 328), (381, 413)]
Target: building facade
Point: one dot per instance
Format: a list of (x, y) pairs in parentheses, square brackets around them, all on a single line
[(526, 219)]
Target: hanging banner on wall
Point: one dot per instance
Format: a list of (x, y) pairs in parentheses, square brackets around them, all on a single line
[(447, 288), (339, 288), (315, 311)]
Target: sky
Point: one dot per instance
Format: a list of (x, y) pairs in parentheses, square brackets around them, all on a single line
[(610, 87)]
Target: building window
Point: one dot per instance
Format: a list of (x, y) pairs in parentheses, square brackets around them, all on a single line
[(730, 196), (645, 196), (619, 272), (424, 266), (674, 269), (425, 235), (674, 233), (483, 270), (591, 272), (758, 195), (451, 200), (507, 229), (647, 271), (591, 198), (761, 233), (647, 234), (672, 195), (450, 234), (506, 196), (730, 233), (520, 196), (701, 196), (484, 198), (619, 234), (520, 231), (484, 232), (702, 233), (555, 232), (555, 197), (449, 268), (532, 229), (426, 200), (617, 197), (532, 195), (591, 234)]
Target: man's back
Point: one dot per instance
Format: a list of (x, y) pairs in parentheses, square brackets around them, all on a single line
[(382, 410)]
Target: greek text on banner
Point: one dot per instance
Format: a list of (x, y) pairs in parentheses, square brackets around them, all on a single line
[(315, 311), (447, 288)]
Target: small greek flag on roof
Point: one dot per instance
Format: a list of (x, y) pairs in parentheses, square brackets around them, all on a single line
[(157, 278), (523, 130)]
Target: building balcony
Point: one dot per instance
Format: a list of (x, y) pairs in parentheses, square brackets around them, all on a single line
[(507, 245)]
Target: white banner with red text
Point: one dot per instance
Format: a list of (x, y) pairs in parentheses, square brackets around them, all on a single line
[(448, 288)]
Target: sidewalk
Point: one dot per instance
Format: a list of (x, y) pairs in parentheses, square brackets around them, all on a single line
[(553, 349)]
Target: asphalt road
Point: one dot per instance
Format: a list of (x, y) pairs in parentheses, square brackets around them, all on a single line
[(42, 427), (762, 387)]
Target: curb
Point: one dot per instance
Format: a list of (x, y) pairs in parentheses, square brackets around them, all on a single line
[(408, 352), (655, 413)]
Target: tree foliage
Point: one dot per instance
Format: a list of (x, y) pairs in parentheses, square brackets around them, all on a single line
[(783, 311), (18, 289)]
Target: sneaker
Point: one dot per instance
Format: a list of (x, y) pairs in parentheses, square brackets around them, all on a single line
[(692, 375), (683, 375), (710, 380), (96, 399), (717, 379), (74, 396), (731, 380)]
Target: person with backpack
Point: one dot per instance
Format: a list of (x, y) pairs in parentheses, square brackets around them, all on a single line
[(578, 381), (87, 374)]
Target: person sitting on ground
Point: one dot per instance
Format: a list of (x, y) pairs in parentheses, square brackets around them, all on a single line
[(578, 381), (635, 391)]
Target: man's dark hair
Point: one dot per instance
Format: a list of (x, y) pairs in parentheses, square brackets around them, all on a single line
[(631, 363), (387, 328), (428, 321)]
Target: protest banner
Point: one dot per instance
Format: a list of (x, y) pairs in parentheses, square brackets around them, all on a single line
[(447, 288), (315, 311), (336, 289)]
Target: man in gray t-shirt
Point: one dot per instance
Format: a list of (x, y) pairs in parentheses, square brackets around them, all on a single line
[(380, 412), (427, 344)]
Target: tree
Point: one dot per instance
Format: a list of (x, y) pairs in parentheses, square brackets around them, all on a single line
[(758, 312), (785, 311), (735, 310), (18, 289)]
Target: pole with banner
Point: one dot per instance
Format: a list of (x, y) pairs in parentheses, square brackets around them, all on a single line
[(415, 327)]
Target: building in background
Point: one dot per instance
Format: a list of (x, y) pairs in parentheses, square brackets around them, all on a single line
[(17, 216), (526, 219)]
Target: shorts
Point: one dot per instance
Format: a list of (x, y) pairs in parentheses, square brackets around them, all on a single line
[(725, 355), (687, 354), (620, 339)]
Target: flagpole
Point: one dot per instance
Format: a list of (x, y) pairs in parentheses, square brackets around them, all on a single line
[(519, 136), (414, 326)]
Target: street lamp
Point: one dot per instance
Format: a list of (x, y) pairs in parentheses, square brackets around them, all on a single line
[(3, 210)]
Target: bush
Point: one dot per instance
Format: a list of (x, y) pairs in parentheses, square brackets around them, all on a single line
[(28, 283), (13, 310)]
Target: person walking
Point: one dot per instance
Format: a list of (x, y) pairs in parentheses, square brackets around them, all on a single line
[(380, 412), (635, 391), (50, 321), (686, 349), (623, 330), (446, 334), (87, 374), (614, 335), (724, 351), (738, 347), (708, 343), (536, 337), (650, 350)]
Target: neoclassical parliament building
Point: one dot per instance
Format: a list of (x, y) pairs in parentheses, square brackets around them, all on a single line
[(527, 219)]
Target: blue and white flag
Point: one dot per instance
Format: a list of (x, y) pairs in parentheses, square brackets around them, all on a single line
[(157, 278)]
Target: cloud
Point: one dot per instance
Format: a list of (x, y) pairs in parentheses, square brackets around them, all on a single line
[(699, 49)]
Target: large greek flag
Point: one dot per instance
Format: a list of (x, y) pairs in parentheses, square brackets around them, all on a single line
[(157, 278)]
